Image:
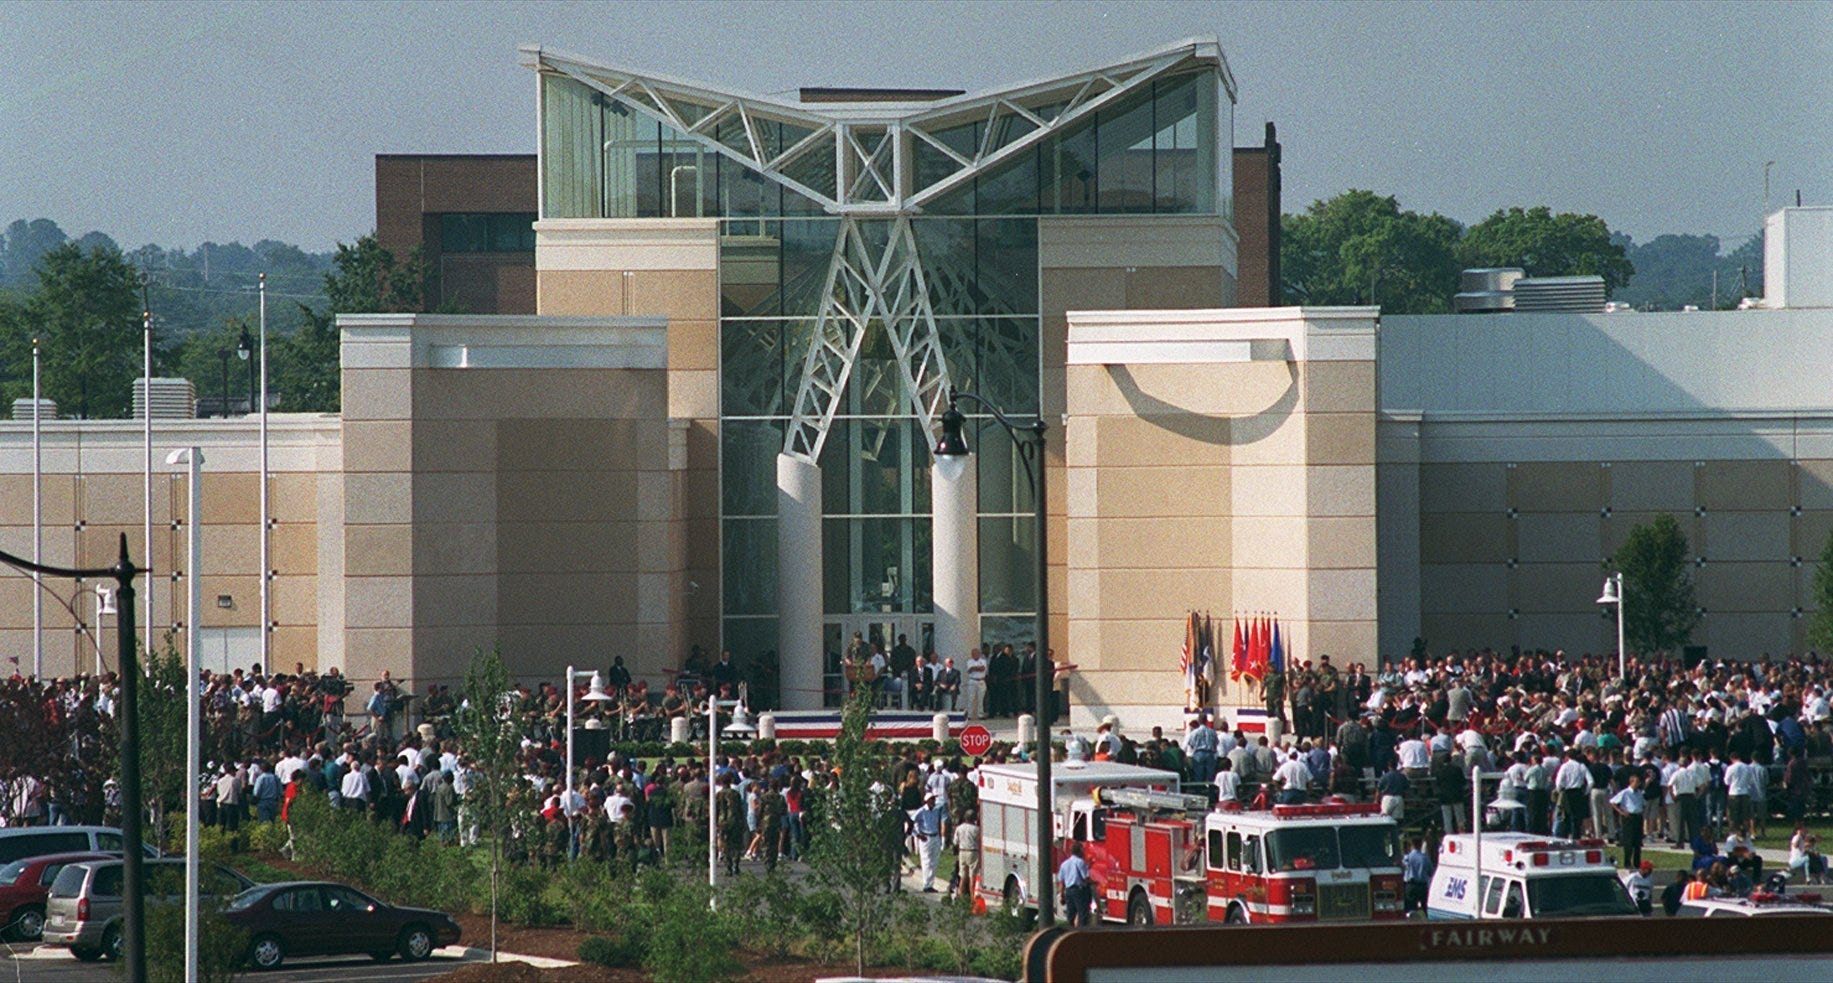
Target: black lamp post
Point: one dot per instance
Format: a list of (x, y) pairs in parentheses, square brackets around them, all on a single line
[(953, 443), (245, 347), (222, 355)]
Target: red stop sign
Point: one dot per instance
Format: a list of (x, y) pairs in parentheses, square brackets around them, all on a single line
[(976, 740)]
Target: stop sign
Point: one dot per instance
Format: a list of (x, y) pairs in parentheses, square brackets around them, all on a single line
[(976, 740)]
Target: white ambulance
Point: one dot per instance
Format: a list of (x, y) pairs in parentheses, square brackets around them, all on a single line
[(1524, 875)]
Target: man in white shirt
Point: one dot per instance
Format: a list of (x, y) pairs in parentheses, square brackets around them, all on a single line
[(1294, 780), (975, 685), (288, 766), (1573, 780), (355, 787), (1414, 754), (615, 803), (1742, 783)]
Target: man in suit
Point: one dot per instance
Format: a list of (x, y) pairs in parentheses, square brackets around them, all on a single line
[(948, 684), (921, 684)]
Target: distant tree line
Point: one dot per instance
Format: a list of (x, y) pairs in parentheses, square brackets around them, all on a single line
[(82, 300), (1363, 248)]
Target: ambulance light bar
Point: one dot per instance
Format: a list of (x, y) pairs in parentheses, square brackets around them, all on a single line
[(1327, 809), (1145, 798)]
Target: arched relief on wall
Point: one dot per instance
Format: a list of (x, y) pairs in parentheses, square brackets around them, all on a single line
[(1241, 429)]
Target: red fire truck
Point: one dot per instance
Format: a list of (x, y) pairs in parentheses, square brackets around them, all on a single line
[(1333, 861)]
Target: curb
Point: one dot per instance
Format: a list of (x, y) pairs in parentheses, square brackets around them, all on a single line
[(474, 954)]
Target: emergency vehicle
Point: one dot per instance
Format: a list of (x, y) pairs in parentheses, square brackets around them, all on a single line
[(1008, 822), (1153, 842), (1319, 862), (1524, 875)]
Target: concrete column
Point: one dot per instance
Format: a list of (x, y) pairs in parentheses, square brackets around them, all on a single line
[(798, 584), (955, 531)]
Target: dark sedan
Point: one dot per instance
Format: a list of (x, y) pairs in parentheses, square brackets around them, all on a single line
[(316, 918)]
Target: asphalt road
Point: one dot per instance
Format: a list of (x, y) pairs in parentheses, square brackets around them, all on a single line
[(45, 963)]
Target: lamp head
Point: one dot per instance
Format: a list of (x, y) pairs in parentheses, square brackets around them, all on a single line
[(952, 442), (1610, 595), (595, 692), (244, 345)]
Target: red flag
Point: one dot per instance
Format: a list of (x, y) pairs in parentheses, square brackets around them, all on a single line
[(1238, 653)]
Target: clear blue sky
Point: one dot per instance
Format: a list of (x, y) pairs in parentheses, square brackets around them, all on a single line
[(181, 122)]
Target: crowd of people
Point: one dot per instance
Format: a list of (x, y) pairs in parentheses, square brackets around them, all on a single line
[(994, 680)]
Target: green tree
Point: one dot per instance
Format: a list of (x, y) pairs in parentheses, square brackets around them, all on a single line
[(853, 850), (1545, 244), (85, 312), (1820, 626), (199, 359), (1658, 605), (1362, 248), (365, 278), (490, 738)]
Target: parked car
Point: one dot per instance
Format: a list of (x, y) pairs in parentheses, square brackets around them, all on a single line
[(1758, 904), (23, 886), (83, 909), (21, 842), (318, 918)]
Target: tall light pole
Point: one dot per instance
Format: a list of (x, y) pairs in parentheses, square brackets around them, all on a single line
[(595, 693), (267, 575), (193, 457), (146, 415), (953, 443), (1613, 595), (38, 523)]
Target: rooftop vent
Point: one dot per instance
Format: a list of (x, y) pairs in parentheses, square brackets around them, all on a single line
[(172, 399), (22, 409), (1584, 294)]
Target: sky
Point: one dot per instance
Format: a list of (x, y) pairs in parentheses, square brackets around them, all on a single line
[(178, 123)]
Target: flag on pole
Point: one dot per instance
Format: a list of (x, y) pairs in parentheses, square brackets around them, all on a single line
[(1276, 660), (1186, 661), (1212, 662), (1239, 653)]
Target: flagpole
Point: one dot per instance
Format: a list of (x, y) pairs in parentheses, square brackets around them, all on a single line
[(266, 575), (146, 415), (38, 526)]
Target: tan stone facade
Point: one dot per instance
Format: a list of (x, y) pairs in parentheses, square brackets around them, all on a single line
[(1220, 461)]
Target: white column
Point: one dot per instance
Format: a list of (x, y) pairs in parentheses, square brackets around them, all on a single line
[(798, 585), (955, 532)]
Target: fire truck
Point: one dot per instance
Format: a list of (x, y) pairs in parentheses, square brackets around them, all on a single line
[(1008, 822), (1152, 842), (1330, 861)]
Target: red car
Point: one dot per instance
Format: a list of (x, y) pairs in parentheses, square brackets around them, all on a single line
[(23, 886), (316, 918)]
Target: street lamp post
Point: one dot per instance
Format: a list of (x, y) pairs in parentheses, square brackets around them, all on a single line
[(245, 347), (193, 459), (1613, 595), (595, 693), (953, 443)]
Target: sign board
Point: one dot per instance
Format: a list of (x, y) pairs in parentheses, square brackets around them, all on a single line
[(976, 740)]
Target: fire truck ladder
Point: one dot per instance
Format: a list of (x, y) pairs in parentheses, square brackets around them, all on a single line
[(1151, 800)]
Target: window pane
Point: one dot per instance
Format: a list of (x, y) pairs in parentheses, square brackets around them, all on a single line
[(808, 246), (1003, 484), (757, 367), (1186, 143), (1006, 265), (753, 644), (1011, 188), (1008, 362), (570, 137), (1008, 564), (749, 555), (1126, 154), (750, 254), (1069, 178), (748, 469)]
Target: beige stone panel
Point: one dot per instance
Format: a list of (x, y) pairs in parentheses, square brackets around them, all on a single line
[(693, 395), (1745, 636), (660, 547), (537, 652), (116, 498), (1272, 440), (1083, 586), (96, 546), (1148, 594), (1558, 537), (455, 496), (686, 295), (57, 498), (1053, 391), (234, 549), (1465, 537), (368, 651), (1444, 632), (294, 645), (567, 599), (378, 445), (580, 445), (1618, 526), (1578, 632), (1341, 543), (1342, 595), (1268, 490), (504, 394), (1148, 441), (1549, 587), (1343, 641), (560, 292), (1184, 543), (700, 497), (1651, 486), (1722, 587), (244, 595), (1128, 644), (1284, 591), (1464, 588), (1340, 438), (532, 496), (1261, 542), (1478, 487), (1264, 392), (1094, 289), (1339, 387), (378, 394), (455, 548), (293, 548), (1746, 536), (1166, 287), (292, 600), (1811, 533), (378, 551), (293, 497), (659, 496), (378, 602), (461, 599), (227, 497), (1814, 484), (1162, 491), (1745, 486), (693, 344), (532, 547), (1557, 486), (1102, 688), (378, 498), (1340, 489), (655, 596), (453, 445)]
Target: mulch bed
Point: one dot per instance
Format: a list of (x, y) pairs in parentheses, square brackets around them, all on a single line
[(761, 970)]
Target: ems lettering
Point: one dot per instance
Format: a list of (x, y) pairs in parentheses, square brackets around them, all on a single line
[(1454, 887)]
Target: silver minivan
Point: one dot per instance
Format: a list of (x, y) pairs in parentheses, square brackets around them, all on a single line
[(21, 842), (83, 911)]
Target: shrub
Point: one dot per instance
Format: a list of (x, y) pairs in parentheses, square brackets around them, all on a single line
[(268, 837), (768, 911), (221, 946), (522, 897), (617, 953), (685, 940)]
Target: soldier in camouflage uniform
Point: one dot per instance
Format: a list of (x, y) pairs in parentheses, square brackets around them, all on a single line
[(623, 836), (554, 843), (594, 834), (730, 813), (771, 812)]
